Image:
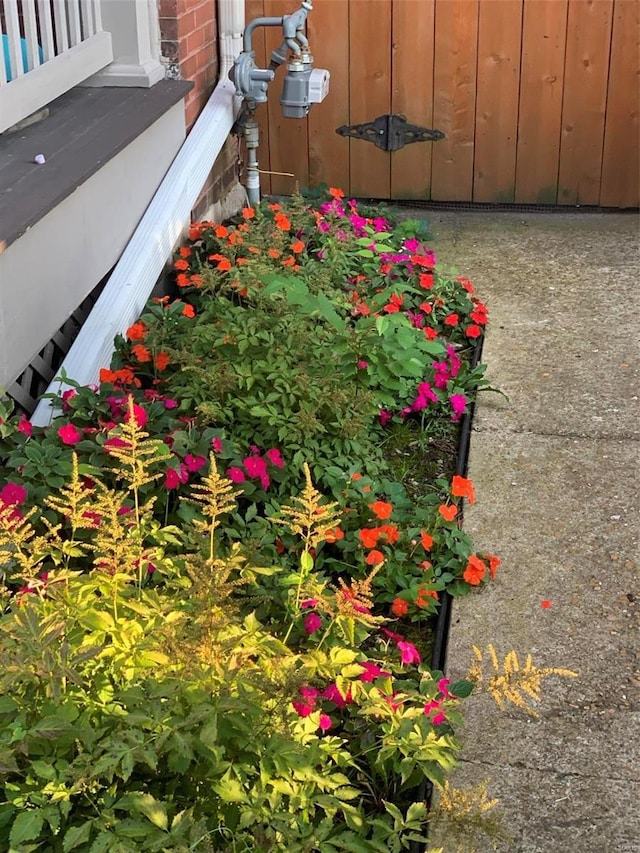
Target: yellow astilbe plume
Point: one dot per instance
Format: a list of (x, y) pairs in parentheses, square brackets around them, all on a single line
[(138, 452), (72, 500), (16, 535), (355, 600), (465, 818), (309, 518), (116, 541), (214, 496), (511, 683)]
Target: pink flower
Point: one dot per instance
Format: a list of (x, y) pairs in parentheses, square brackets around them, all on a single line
[(302, 708), (13, 494), (312, 623), (67, 395), (173, 478), (69, 434), (216, 444), (115, 441), (408, 652), (438, 719), (362, 364), (324, 723), (308, 603), (25, 427), (195, 463), (372, 671), (236, 475), (425, 396), (139, 415), (458, 405), (170, 404), (275, 457), (443, 687), (384, 417), (332, 693), (309, 693), (257, 467)]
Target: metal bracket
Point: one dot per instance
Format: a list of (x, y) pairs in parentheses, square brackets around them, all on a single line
[(390, 132)]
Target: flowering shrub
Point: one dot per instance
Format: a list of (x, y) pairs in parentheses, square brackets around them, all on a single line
[(193, 660)]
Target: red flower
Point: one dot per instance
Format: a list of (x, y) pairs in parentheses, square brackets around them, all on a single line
[(395, 304), (25, 427), (195, 463), (181, 264), (374, 558), (334, 192), (333, 535), (189, 311), (545, 604), (451, 320), (461, 487), (475, 571), (430, 333), (248, 213), (137, 332), (141, 352), (69, 434), (381, 509), (400, 607), (426, 540), (369, 536), (494, 562), (426, 280), (473, 331), (161, 361), (448, 512), (282, 221)]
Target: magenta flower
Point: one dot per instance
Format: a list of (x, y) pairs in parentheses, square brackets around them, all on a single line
[(256, 466), (332, 693), (115, 441), (25, 427), (309, 693), (303, 709), (458, 405), (426, 395), (412, 245), (362, 364), (236, 475), (216, 444), (372, 671), (439, 718), (408, 652), (384, 417), (325, 722), (13, 494), (195, 463), (443, 687), (170, 404), (275, 457), (139, 415), (312, 623), (69, 434), (308, 603), (67, 395), (173, 478)]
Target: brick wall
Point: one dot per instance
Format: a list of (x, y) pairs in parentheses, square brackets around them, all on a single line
[(188, 34)]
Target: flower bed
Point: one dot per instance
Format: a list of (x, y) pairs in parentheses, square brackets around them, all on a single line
[(195, 659)]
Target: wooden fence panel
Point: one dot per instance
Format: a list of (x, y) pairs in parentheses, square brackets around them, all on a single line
[(369, 92), (584, 101), (454, 96), (543, 48), (412, 93), (328, 31), (620, 174), (496, 129)]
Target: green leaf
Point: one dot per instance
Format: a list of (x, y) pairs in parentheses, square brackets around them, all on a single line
[(26, 827), (306, 561), (146, 805), (461, 689), (76, 835), (51, 728)]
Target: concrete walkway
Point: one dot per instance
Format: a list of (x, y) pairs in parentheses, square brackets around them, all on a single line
[(556, 471)]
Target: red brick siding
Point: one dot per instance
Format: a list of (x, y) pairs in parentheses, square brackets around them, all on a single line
[(189, 48)]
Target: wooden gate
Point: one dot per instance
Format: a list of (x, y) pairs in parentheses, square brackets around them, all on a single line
[(538, 100)]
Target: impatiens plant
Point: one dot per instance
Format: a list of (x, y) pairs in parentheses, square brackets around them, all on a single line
[(192, 658)]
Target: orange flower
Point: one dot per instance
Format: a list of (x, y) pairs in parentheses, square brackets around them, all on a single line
[(475, 571), (356, 476), (161, 361), (336, 193), (448, 512), (288, 262), (369, 536), (185, 251), (224, 265), (425, 565), (374, 558), (274, 206), (221, 231), (248, 213), (254, 250), (494, 562), (188, 311), (137, 332), (196, 280), (182, 280), (426, 540), (545, 603), (389, 532), (141, 352), (181, 264), (195, 230), (424, 595), (282, 222), (400, 607), (462, 488), (333, 535), (273, 253), (297, 247), (381, 509)]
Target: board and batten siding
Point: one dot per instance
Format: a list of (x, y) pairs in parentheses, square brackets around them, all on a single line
[(539, 100)]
